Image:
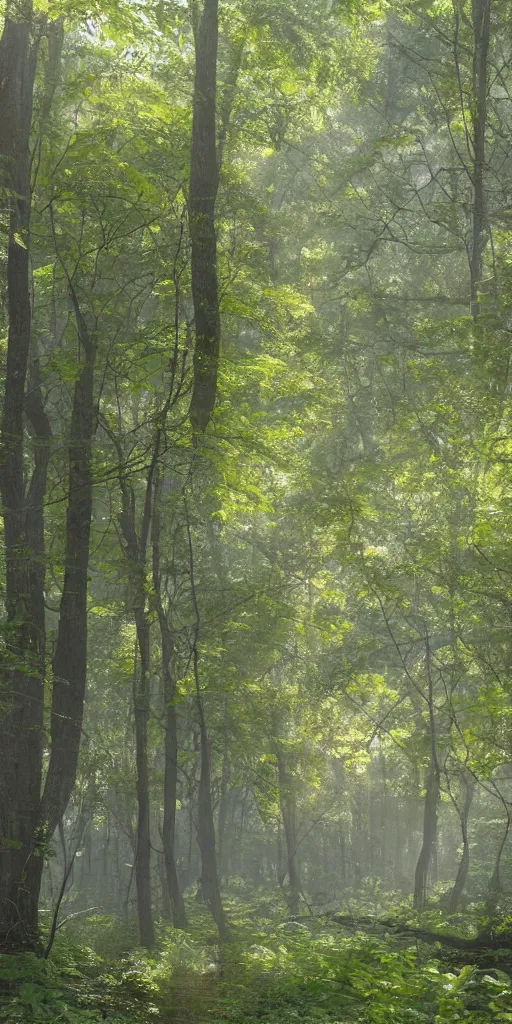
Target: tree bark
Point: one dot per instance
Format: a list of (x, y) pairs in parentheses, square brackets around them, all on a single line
[(135, 552), (178, 913), (287, 805), (429, 839), (432, 795), (206, 828), (205, 823), (21, 722), (356, 840), (141, 715), (204, 184), (468, 791), (224, 798), (495, 886), (26, 820), (70, 658), (481, 13)]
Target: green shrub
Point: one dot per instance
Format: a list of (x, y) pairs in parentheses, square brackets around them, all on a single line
[(272, 972), (72, 987)]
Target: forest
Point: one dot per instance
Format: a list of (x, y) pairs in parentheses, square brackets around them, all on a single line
[(256, 511)]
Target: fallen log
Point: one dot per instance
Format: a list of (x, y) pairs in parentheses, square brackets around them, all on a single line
[(485, 940)]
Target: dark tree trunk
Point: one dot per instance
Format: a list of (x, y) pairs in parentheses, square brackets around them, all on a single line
[(70, 658), (204, 184), (468, 790), (179, 916), (495, 886), (135, 553), (281, 868), (205, 820), (429, 839), (356, 840), (206, 831), (397, 826), (178, 913), (287, 803), (25, 820), (21, 722), (135, 550), (166, 908), (224, 799), (141, 714), (481, 11), (432, 795)]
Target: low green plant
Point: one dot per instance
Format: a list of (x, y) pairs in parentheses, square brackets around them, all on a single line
[(74, 987), (272, 971)]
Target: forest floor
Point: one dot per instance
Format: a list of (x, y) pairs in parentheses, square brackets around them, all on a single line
[(272, 972)]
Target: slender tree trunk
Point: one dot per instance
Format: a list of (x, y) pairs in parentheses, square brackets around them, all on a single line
[(224, 799), (468, 791), (356, 840), (432, 795), (166, 908), (179, 916), (281, 868), (481, 12), (205, 823), (430, 811), (383, 817), (204, 184), (141, 714), (396, 823), (342, 855), (495, 886), (70, 658), (178, 912), (135, 551), (287, 803), (206, 832)]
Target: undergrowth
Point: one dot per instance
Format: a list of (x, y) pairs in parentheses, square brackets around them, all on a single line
[(272, 972)]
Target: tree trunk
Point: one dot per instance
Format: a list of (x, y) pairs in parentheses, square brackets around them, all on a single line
[(141, 714), (206, 832), (70, 658), (433, 792), (205, 823), (429, 839), (481, 12), (204, 184), (287, 803), (135, 552), (20, 795), (356, 840), (468, 790), (166, 908), (179, 917), (224, 799), (21, 722), (495, 880)]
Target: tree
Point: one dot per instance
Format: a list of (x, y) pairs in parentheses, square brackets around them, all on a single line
[(203, 188), (22, 724), (29, 820)]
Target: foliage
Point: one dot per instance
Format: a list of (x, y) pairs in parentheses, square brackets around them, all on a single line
[(75, 986), (271, 971)]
